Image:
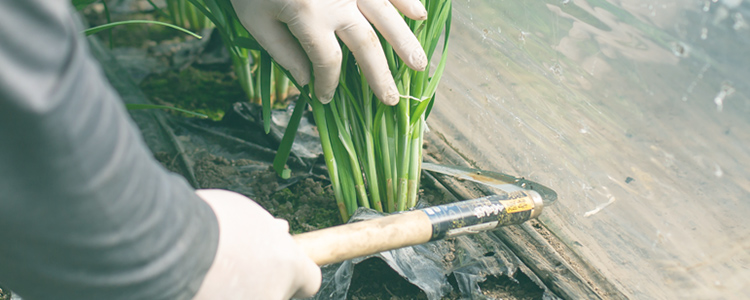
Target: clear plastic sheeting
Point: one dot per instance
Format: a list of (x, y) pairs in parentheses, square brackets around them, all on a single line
[(635, 112), (421, 265), (470, 259)]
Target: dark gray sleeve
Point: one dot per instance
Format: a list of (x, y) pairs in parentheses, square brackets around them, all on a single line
[(85, 211)]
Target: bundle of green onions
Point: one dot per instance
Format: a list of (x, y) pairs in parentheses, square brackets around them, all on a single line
[(373, 151)]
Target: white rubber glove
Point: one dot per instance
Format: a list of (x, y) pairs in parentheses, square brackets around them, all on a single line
[(256, 258), (316, 23)]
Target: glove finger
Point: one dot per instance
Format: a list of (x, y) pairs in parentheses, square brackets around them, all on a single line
[(282, 224), (274, 36), (364, 44), (310, 276), (324, 52), (412, 9), (396, 32)]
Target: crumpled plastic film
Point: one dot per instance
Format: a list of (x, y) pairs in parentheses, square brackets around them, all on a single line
[(421, 265), (470, 259)]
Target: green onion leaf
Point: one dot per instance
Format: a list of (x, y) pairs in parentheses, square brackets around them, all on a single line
[(282, 154), (153, 106), (247, 43), (265, 88), (96, 29)]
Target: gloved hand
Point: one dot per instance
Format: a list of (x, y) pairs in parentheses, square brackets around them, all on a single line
[(316, 23), (256, 258)]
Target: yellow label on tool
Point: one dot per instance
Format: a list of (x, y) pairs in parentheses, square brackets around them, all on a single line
[(518, 205)]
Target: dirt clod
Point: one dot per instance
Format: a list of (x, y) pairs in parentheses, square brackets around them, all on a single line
[(307, 205)]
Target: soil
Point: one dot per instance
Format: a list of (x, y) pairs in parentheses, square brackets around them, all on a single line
[(307, 205), (519, 287), (206, 91), (373, 280), (304, 201)]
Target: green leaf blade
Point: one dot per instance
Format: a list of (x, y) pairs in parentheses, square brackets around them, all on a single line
[(99, 28), (153, 106)]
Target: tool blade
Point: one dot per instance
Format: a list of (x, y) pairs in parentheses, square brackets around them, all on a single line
[(493, 179)]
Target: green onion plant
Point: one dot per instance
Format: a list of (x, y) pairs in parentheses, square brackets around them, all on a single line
[(99, 28), (373, 151), (186, 15), (247, 56)]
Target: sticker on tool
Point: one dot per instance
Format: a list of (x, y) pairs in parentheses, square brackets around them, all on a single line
[(518, 205), (487, 212)]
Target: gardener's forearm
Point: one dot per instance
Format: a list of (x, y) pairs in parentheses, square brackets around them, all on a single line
[(85, 211)]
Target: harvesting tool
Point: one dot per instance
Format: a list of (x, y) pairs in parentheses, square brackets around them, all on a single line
[(518, 200)]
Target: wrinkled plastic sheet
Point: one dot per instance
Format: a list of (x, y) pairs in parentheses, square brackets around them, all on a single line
[(636, 112), (470, 259)]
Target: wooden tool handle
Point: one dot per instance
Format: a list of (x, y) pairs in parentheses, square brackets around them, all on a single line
[(339, 243), (348, 241)]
